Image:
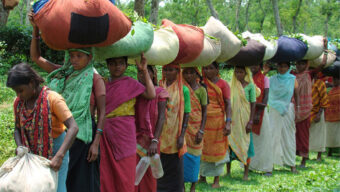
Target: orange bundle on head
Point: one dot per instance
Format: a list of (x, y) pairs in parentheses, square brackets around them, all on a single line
[(191, 41), (66, 24)]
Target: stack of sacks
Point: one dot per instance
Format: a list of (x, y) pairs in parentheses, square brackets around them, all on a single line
[(137, 41), (331, 56), (191, 40), (271, 46), (289, 49), (252, 54), (315, 46), (210, 52), (230, 44), (66, 24), (164, 48)]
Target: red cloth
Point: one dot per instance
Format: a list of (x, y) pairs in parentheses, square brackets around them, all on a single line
[(224, 86), (302, 137), (259, 81), (191, 40), (115, 176), (332, 113), (148, 182)]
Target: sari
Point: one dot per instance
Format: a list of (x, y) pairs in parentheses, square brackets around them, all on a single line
[(317, 132), (239, 141), (118, 143), (258, 79), (332, 116), (147, 116), (282, 118), (171, 157), (303, 115), (215, 144), (192, 157)]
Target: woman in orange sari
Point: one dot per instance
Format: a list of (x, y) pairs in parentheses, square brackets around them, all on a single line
[(172, 140), (215, 141), (195, 130)]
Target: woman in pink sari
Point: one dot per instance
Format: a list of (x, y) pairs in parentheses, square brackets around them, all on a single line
[(150, 119), (118, 144)]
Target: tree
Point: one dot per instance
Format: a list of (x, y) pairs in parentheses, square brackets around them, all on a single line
[(263, 17), (139, 7), (212, 9), (296, 15), (277, 17), (237, 15), (247, 15), (154, 12), (3, 15)]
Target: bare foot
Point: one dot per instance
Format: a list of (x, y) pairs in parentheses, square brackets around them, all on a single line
[(302, 166), (318, 159), (245, 178), (202, 180), (293, 169), (268, 174), (215, 185)]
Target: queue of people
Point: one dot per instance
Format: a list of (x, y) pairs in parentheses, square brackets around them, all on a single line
[(96, 130)]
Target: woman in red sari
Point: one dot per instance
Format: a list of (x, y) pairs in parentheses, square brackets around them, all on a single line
[(118, 144), (149, 122)]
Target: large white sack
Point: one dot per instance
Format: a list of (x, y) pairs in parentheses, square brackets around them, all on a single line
[(230, 44), (271, 46), (330, 59), (315, 46), (211, 50), (164, 48), (27, 173)]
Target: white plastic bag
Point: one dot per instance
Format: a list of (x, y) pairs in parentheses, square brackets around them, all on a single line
[(27, 173), (271, 46), (230, 44), (164, 48), (210, 52), (315, 46), (330, 59)]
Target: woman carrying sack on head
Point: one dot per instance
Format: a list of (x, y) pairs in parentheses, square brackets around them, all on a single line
[(196, 125), (118, 145), (217, 128), (41, 119), (149, 122), (84, 91), (172, 138), (282, 87), (243, 98)]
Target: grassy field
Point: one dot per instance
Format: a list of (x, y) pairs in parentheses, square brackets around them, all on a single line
[(319, 176)]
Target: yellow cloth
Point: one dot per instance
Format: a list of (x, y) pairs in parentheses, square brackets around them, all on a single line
[(194, 124), (238, 139), (125, 109), (215, 144), (175, 113)]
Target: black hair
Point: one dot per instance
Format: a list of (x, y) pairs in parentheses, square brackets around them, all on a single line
[(289, 63), (240, 67), (124, 57), (23, 74), (216, 65)]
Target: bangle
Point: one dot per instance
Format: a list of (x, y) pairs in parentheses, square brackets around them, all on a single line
[(100, 131), (155, 140), (201, 131), (325, 53), (228, 119)]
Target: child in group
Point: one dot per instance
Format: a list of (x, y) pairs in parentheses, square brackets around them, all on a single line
[(41, 119)]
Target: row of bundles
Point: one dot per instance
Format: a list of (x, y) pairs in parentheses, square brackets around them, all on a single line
[(100, 24), (27, 172)]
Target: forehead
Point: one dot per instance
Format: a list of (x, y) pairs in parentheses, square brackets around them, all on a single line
[(282, 65), (19, 87), (239, 70), (77, 53), (116, 60), (189, 70)]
